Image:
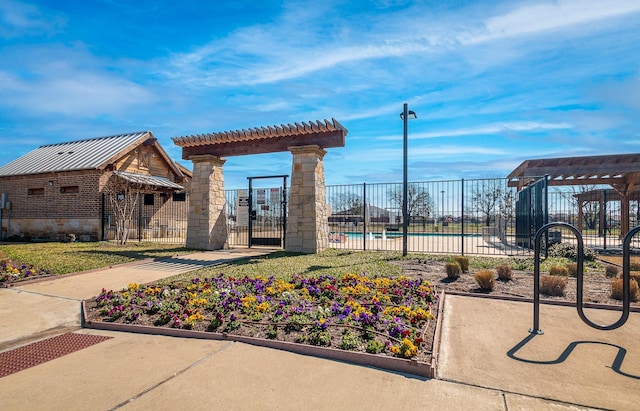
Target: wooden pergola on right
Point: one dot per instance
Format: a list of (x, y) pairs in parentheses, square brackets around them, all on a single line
[(620, 171)]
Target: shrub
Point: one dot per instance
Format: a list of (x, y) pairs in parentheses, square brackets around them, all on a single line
[(463, 262), (616, 289), (572, 269), (558, 270), (553, 285), (320, 338), (375, 346), (504, 272), (634, 266), (485, 279), (272, 333), (453, 270), (611, 270), (350, 341), (570, 251)]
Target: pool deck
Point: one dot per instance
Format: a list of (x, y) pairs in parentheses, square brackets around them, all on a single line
[(488, 359)]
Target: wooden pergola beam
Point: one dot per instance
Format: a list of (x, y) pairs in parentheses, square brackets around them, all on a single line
[(261, 146), (620, 171), (271, 139)]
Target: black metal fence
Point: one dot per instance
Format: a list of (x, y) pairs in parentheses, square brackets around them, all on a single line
[(158, 217), (476, 216), (453, 217)]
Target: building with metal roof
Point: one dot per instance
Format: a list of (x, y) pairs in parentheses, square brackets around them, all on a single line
[(64, 188)]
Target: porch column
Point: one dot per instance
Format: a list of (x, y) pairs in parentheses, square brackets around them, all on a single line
[(307, 224), (207, 228)]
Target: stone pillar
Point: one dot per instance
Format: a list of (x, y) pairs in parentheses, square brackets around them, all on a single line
[(207, 229), (307, 222)]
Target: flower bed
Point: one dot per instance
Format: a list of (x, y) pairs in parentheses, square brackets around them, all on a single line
[(379, 315), (11, 272)]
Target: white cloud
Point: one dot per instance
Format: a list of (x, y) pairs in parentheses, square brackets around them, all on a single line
[(68, 82), (297, 45), (532, 19), (20, 19), (489, 129)]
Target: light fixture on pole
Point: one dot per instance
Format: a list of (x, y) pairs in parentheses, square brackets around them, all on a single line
[(406, 115)]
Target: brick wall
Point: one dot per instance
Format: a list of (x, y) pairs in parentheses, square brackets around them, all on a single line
[(47, 205), (54, 204)]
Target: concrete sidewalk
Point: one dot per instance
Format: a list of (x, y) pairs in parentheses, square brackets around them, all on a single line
[(54, 305), (488, 361)]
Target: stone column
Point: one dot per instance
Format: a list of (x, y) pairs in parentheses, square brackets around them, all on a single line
[(207, 229), (307, 225)]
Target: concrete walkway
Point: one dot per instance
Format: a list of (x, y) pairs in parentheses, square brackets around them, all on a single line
[(488, 360)]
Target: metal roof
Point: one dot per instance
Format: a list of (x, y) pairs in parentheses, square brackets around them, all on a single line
[(86, 154), (148, 180)]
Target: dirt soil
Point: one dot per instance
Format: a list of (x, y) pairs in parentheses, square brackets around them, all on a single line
[(597, 288)]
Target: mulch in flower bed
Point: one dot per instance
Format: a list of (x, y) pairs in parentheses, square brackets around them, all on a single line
[(386, 316)]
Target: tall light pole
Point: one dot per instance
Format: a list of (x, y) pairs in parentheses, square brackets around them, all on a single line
[(405, 116)]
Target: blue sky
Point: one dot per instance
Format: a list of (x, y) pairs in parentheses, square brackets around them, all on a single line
[(493, 82)]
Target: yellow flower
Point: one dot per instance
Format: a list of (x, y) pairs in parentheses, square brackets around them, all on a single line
[(422, 314), (198, 302), (152, 290), (133, 286), (263, 306), (407, 349), (248, 301)]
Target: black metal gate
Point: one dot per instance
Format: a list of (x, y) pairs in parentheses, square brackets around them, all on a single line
[(531, 212), (267, 213)]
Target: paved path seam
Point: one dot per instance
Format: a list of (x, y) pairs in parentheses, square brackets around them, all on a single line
[(172, 376), (62, 297), (504, 392)]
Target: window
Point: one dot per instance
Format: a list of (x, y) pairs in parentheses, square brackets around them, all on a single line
[(179, 196), (148, 199), (35, 191), (70, 190)]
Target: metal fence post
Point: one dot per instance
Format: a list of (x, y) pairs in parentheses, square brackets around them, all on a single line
[(546, 215), (102, 218), (140, 199), (462, 218), (604, 214), (364, 214)]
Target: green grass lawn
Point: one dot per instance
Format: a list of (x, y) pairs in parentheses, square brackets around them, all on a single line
[(63, 258), (283, 265)]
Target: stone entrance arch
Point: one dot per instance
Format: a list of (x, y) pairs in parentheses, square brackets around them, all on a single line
[(307, 228)]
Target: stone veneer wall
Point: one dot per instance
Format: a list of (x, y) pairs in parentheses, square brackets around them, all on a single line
[(307, 227), (207, 226)]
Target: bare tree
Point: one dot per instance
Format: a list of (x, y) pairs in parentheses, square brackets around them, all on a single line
[(123, 196), (419, 201), (487, 198), (507, 205), (347, 201), (590, 209)]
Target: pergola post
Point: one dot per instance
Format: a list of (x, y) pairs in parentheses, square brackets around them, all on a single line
[(624, 214), (307, 223), (207, 224)]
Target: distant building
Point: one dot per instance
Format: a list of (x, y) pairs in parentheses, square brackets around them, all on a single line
[(58, 189)]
